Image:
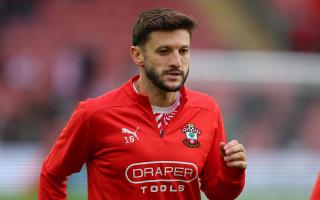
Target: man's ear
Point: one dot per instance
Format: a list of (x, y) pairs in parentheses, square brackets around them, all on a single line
[(136, 55)]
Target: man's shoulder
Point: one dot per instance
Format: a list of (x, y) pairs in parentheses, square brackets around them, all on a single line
[(113, 98), (200, 99)]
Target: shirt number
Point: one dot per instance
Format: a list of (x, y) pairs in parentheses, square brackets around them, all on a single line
[(129, 139)]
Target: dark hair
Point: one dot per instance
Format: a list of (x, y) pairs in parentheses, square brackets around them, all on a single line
[(159, 19)]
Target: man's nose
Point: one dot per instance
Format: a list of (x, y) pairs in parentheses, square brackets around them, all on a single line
[(176, 60)]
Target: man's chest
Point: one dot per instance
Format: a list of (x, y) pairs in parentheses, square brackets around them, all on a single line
[(131, 142)]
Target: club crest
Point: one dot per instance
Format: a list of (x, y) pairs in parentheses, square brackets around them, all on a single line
[(191, 132)]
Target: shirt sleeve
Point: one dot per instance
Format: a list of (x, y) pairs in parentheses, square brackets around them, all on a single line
[(69, 153), (315, 195), (217, 180)]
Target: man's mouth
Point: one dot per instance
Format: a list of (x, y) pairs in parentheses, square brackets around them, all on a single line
[(173, 76), (174, 73)]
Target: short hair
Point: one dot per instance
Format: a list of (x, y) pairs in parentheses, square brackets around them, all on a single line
[(160, 19)]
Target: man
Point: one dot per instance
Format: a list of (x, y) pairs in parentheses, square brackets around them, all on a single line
[(152, 138), (315, 195)]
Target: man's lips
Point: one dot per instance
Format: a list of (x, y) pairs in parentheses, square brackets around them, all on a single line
[(174, 73), (173, 76)]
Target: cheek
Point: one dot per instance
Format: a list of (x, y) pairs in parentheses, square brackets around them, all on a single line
[(156, 62), (185, 59), (185, 63), (160, 65)]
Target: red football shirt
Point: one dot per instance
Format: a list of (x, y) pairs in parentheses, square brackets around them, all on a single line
[(116, 135)]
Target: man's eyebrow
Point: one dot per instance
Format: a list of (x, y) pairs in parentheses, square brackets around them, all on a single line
[(185, 46), (163, 46), (167, 46)]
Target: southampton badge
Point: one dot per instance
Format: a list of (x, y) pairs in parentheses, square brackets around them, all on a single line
[(191, 133)]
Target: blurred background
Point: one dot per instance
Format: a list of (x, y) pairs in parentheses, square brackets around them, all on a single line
[(259, 59)]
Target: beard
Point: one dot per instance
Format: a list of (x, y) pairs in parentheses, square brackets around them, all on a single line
[(155, 78)]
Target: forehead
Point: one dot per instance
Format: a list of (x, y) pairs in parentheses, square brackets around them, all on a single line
[(176, 38)]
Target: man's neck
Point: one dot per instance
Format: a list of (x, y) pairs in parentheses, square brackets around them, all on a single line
[(157, 97)]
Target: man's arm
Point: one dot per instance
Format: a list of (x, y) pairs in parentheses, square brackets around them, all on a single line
[(67, 156), (223, 175), (51, 186), (315, 195)]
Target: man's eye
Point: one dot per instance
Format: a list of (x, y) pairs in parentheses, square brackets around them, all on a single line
[(184, 51), (163, 51)]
